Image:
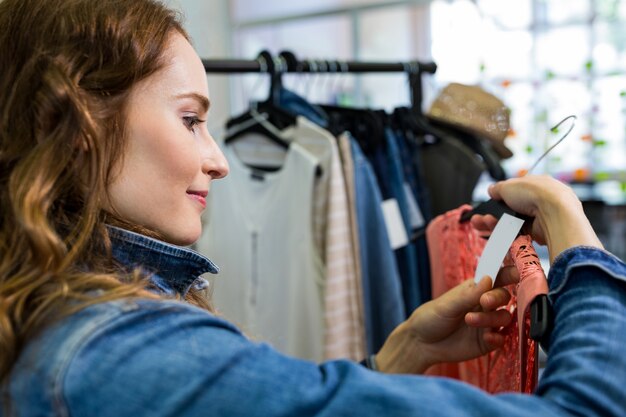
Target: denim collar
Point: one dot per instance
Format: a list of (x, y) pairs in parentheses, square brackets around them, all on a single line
[(173, 269)]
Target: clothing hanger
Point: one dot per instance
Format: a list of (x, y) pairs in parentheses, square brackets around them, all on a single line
[(265, 118), (415, 120), (257, 123), (366, 126)]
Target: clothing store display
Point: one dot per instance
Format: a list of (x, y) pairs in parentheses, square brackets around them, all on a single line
[(455, 248), (253, 219), (387, 157), (190, 361)]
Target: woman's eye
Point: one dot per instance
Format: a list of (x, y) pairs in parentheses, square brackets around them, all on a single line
[(191, 122)]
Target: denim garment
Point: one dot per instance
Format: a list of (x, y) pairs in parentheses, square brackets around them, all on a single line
[(165, 358), (382, 291), (410, 151), (299, 106), (416, 183), (174, 269), (392, 169)]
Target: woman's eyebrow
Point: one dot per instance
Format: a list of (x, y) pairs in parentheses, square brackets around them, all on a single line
[(204, 102)]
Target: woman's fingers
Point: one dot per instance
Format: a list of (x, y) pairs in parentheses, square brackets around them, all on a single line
[(491, 319), (495, 298)]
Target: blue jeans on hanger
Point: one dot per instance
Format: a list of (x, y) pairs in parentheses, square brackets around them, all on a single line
[(387, 164), (410, 157), (382, 290)]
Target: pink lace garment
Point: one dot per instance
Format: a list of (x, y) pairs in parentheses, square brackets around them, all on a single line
[(454, 249)]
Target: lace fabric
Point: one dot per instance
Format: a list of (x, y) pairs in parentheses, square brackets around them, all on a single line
[(454, 250), (532, 283)]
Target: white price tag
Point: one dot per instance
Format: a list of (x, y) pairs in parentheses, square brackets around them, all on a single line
[(395, 226), (497, 247)]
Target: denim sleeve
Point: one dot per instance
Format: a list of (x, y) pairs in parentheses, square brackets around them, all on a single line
[(171, 359), (586, 369)]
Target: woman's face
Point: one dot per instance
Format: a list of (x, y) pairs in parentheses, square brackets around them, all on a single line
[(170, 158)]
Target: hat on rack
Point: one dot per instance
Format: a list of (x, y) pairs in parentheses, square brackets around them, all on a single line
[(472, 109)]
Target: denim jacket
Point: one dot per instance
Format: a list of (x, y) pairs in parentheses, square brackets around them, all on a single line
[(146, 357)]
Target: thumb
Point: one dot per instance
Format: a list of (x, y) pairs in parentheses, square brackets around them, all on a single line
[(464, 297), (494, 191)]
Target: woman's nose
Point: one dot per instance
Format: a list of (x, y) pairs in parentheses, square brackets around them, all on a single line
[(214, 163)]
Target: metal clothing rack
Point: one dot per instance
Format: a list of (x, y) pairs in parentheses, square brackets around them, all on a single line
[(287, 62)]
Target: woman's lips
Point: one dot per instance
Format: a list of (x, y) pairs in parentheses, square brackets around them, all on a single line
[(199, 196)]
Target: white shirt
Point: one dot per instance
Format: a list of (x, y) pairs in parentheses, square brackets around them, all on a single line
[(259, 231)]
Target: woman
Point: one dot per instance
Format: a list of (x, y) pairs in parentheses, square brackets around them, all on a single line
[(105, 164)]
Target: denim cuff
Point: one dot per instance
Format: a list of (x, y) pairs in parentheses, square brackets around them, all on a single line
[(583, 256)]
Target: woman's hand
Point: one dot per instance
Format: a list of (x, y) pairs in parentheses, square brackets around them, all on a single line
[(459, 325), (559, 219)]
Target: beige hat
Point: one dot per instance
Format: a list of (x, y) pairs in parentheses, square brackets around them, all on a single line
[(474, 110)]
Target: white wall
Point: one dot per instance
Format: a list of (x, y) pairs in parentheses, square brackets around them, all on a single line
[(244, 10)]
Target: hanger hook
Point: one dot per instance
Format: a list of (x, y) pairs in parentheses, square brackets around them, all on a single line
[(555, 129), (263, 68)]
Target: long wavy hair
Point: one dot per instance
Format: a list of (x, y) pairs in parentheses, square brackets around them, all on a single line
[(67, 68)]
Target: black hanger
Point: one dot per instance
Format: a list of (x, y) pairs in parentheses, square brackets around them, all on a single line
[(366, 126), (411, 120), (494, 207), (256, 119), (268, 111), (411, 126), (254, 124)]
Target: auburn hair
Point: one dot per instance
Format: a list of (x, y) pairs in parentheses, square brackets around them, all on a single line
[(67, 68)]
